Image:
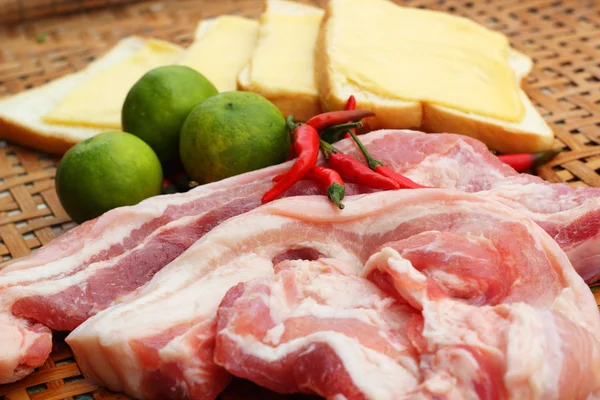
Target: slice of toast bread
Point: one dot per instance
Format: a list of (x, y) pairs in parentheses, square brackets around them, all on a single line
[(222, 47), (21, 115), (304, 103), (531, 134), (334, 90)]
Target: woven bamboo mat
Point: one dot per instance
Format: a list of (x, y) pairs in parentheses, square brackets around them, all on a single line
[(562, 36), (12, 11)]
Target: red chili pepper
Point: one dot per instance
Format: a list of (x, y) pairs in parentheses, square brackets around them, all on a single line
[(327, 177), (524, 161), (403, 181), (306, 145), (335, 133), (325, 120), (350, 105), (354, 171), (378, 167), (279, 177), (332, 180)]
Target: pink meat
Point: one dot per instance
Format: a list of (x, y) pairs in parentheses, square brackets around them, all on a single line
[(63, 301), (102, 261), (324, 311), (159, 341), (66, 309), (570, 215), (25, 345), (526, 349), (63, 304), (447, 313)]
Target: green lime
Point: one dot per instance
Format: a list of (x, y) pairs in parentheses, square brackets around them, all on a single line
[(159, 102), (232, 133), (106, 171)]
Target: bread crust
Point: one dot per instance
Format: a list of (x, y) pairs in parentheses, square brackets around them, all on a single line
[(21, 114), (302, 105), (25, 136), (532, 134), (498, 135)]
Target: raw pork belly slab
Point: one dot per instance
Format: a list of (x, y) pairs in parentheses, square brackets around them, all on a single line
[(100, 262), (570, 215), (442, 314), (85, 270), (159, 343)]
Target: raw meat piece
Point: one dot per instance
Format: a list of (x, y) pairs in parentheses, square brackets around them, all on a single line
[(99, 262), (65, 292), (24, 346), (570, 215), (294, 333), (520, 350), (158, 343), (440, 160), (63, 304), (457, 315)]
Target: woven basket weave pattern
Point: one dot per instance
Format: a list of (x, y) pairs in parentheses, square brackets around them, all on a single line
[(563, 37), (12, 11)]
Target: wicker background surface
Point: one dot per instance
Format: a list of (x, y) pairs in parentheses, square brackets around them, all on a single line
[(562, 36), (14, 11)]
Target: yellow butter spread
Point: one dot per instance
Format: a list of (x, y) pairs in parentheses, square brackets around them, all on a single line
[(428, 56), (283, 61), (222, 48), (98, 101)]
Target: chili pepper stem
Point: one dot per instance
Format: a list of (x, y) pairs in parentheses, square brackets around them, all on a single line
[(336, 193), (291, 124), (346, 126), (542, 157), (327, 149), (381, 169), (524, 161), (372, 162), (334, 133), (327, 119)]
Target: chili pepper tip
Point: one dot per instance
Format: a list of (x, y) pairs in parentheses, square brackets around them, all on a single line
[(336, 193), (327, 119), (350, 103)]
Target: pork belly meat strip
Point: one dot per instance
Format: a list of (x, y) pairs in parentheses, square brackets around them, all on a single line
[(159, 342), (295, 331), (518, 350), (442, 160), (63, 304), (570, 215), (64, 292), (442, 314), (97, 263)]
